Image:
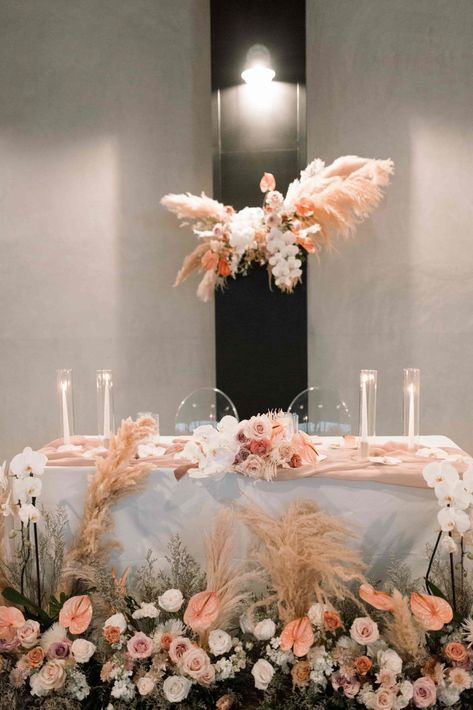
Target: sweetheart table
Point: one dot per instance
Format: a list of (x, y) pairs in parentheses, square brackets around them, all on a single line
[(394, 522)]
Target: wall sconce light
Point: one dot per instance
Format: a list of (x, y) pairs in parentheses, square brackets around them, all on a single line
[(258, 70)]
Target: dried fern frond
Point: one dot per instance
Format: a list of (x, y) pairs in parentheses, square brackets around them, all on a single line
[(226, 577), (305, 554), (117, 475), (402, 631)]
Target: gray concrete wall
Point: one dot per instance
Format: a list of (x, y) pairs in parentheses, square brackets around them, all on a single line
[(392, 78), (105, 106)]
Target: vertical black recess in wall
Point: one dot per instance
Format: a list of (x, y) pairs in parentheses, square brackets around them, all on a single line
[(261, 334)]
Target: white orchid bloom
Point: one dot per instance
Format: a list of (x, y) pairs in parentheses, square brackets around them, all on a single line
[(439, 471), (448, 544), (451, 519), (28, 486), (28, 513), (468, 478), (228, 425), (453, 494), (431, 452), (28, 462)]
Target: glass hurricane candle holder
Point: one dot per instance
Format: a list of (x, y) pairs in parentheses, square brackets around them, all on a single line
[(368, 385), (105, 408), (65, 405), (411, 391)]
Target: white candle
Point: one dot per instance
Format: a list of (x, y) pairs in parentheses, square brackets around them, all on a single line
[(106, 409), (65, 415), (411, 435)]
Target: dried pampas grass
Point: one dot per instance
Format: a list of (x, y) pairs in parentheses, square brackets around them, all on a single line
[(191, 262), (402, 631), (117, 475), (226, 577), (305, 554), (188, 206)]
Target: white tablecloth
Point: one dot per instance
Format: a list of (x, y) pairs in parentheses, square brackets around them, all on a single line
[(393, 522)]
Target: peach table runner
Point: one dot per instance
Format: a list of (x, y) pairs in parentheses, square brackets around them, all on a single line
[(341, 463)]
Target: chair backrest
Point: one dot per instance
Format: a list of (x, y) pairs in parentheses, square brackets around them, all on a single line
[(321, 412), (203, 406)]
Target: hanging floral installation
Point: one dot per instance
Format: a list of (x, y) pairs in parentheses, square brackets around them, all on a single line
[(323, 202), (294, 624)]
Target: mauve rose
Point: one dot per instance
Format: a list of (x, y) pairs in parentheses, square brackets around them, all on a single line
[(195, 662), (425, 692), (241, 436), (349, 684), (364, 630), (455, 651), (28, 633), (178, 648), (9, 643), (59, 650), (140, 646), (242, 455)]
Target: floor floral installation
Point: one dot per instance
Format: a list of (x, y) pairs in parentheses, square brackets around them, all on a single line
[(296, 626)]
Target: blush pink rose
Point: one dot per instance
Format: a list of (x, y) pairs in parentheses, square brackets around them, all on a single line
[(178, 648), (140, 646), (76, 614), (384, 699), (364, 631), (202, 610), (195, 663), (425, 692), (259, 427), (28, 633), (252, 466)]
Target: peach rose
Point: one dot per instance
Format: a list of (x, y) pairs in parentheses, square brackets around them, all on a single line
[(455, 652), (301, 673), (304, 206), (106, 671), (166, 640), (111, 634), (202, 610), (10, 619), (267, 182), (35, 657), (364, 631), (425, 692), (140, 646), (76, 614), (363, 664), (332, 620), (260, 447), (225, 702)]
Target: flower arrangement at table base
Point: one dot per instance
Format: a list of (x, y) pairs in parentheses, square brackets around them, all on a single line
[(296, 626)]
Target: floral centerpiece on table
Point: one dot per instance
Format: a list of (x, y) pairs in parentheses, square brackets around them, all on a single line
[(254, 447), (324, 201)]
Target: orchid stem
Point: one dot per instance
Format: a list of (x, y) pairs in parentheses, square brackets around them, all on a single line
[(452, 575), (36, 546), (431, 561)]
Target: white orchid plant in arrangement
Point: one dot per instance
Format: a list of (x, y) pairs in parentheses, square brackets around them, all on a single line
[(323, 202)]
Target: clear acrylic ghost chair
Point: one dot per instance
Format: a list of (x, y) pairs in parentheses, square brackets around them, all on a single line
[(203, 406), (321, 412)]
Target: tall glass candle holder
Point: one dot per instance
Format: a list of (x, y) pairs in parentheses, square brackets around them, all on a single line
[(411, 406), (368, 385), (65, 405), (105, 409)]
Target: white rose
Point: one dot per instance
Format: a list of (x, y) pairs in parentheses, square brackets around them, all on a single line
[(316, 614), (176, 688), (117, 620), (390, 660), (82, 650), (146, 611), (364, 631), (219, 642), (262, 672), (265, 630), (28, 633), (171, 600), (145, 685)]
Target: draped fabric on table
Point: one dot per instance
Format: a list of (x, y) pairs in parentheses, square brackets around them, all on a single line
[(393, 521)]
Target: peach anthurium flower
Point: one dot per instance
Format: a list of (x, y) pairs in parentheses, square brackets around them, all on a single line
[(267, 182), (76, 614), (302, 445), (209, 260), (379, 600), (306, 243), (10, 619), (298, 636), (202, 610), (431, 612)]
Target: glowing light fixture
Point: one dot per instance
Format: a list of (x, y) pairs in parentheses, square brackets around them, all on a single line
[(258, 69)]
